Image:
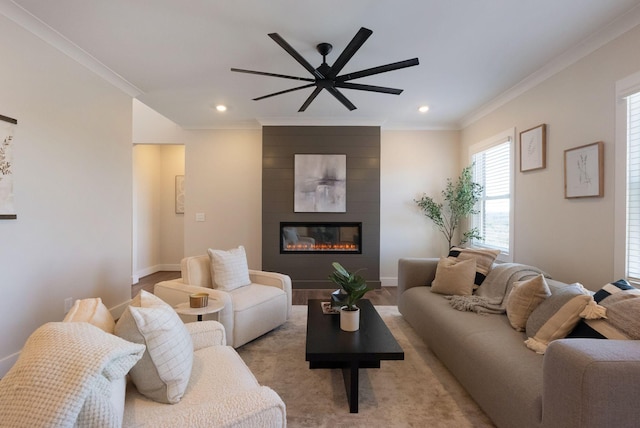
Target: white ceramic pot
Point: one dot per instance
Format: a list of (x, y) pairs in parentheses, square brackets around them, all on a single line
[(349, 320)]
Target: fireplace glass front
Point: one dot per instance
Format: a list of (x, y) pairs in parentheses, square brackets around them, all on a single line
[(334, 237)]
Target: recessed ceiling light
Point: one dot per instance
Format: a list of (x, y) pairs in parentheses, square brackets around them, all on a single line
[(423, 109), (221, 108)]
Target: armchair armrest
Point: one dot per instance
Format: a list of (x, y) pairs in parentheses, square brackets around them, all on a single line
[(591, 383), (414, 272), (274, 279), (206, 333)]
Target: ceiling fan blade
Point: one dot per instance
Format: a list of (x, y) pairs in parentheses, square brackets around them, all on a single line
[(284, 92), (356, 43), (377, 70), (291, 51), (262, 73), (336, 93), (312, 97), (360, 87)]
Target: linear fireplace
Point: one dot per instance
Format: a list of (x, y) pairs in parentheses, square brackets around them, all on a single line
[(328, 237)]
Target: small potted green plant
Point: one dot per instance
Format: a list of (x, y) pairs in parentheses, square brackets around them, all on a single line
[(354, 287)]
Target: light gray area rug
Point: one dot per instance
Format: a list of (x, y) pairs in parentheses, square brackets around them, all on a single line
[(415, 392)]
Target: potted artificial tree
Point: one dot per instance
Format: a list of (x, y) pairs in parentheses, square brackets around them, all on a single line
[(459, 201), (354, 287)]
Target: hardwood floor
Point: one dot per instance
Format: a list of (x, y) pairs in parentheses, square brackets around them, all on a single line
[(383, 296)]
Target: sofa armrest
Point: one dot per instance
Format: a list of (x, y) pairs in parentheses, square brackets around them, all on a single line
[(591, 383), (274, 279), (414, 272), (206, 333)]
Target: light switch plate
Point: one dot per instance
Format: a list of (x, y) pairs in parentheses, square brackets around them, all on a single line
[(200, 217)]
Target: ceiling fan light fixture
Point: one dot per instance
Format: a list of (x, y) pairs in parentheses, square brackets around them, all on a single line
[(327, 77)]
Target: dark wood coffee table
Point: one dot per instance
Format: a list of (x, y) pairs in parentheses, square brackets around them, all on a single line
[(328, 347)]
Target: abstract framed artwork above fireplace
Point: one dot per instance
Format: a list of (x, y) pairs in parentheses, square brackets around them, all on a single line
[(318, 243)]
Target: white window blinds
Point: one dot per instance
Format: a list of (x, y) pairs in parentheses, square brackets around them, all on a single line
[(633, 187), (493, 171)]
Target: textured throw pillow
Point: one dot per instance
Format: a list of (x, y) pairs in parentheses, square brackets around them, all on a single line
[(484, 259), (613, 288), (163, 372), (454, 278), (92, 311), (622, 312), (524, 297), (557, 315), (229, 269)]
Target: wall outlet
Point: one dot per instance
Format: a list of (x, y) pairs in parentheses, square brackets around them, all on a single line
[(68, 303)]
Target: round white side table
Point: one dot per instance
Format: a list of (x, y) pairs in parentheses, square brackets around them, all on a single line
[(213, 307)]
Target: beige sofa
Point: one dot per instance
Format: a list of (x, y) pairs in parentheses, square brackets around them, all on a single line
[(249, 311), (579, 383)]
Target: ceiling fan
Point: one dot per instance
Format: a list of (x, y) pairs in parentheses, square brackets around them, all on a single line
[(326, 76)]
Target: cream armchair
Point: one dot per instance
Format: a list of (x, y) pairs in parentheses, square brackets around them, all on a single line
[(249, 311)]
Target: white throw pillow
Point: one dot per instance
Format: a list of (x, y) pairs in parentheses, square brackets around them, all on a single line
[(163, 373), (229, 269)]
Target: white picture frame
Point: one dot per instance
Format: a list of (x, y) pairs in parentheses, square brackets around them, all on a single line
[(320, 183)]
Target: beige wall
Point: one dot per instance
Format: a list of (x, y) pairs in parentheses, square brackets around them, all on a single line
[(412, 163), (571, 239), (223, 180), (72, 185)]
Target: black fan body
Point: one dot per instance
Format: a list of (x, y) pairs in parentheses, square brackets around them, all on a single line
[(326, 76)]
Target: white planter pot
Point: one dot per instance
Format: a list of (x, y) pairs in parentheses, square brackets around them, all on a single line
[(349, 320)]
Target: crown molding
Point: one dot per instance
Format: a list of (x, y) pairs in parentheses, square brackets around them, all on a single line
[(615, 29), (43, 31)]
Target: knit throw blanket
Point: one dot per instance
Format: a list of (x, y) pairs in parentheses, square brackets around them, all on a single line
[(62, 377), (490, 297)]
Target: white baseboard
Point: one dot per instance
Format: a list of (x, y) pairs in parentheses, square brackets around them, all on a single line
[(389, 281), (173, 267)]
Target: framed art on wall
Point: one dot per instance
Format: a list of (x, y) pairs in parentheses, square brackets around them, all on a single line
[(533, 148), (179, 194), (584, 171), (320, 183), (7, 209)]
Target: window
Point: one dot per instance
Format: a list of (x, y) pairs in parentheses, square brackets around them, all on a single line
[(492, 162), (633, 187), (627, 180)]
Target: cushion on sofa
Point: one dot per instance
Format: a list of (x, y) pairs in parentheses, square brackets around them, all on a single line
[(454, 278), (613, 288), (229, 269), (557, 315), (524, 297), (163, 373), (92, 311), (622, 312), (484, 260)]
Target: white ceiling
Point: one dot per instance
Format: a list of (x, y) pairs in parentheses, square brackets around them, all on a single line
[(175, 55)]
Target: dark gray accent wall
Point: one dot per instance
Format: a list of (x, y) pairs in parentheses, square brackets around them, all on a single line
[(361, 144)]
